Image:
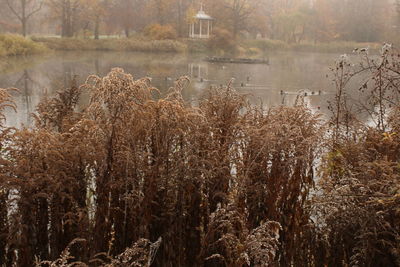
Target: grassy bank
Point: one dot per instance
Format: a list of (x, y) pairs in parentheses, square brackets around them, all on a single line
[(257, 47), (12, 45), (331, 47), (138, 45), (197, 46), (15, 45)]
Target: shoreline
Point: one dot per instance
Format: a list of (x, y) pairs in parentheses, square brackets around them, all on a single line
[(14, 45)]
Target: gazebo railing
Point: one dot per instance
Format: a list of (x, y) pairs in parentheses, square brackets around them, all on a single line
[(205, 36)]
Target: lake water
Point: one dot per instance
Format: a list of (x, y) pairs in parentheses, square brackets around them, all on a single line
[(40, 76)]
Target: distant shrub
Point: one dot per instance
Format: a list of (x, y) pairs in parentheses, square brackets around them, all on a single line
[(160, 32), (2, 50), (13, 45), (221, 39), (63, 43), (267, 44), (140, 45), (240, 50), (254, 50), (197, 45)]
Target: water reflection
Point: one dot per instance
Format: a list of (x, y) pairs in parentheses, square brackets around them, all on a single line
[(25, 83), (287, 72)]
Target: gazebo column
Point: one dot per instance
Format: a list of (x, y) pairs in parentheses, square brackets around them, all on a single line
[(208, 28), (200, 28), (199, 75)]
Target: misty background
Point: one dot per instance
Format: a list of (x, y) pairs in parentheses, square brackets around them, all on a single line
[(291, 21)]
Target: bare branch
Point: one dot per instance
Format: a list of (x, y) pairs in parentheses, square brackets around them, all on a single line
[(35, 10), (13, 10)]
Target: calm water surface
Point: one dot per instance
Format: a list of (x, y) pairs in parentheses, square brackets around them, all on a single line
[(40, 76)]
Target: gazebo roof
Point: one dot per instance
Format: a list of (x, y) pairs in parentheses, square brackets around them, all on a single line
[(202, 15)]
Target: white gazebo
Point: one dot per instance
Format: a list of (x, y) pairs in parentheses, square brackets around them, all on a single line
[(201, 26)]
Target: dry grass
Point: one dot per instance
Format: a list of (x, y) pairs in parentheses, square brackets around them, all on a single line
[(358, 205), (223, 183), (132, 166), (15, 45), (309, 46), (134, 45)]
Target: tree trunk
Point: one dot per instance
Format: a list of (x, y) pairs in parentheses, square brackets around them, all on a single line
[(23, 22), (69, 19), (23, 17), (180, 18), (96, 28), (63, 21), (160, 13), (235, 28), (66, 19)]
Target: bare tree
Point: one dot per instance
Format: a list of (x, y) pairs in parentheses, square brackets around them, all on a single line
[(67, 11), (129, 14), (240, 11), (24, 10)]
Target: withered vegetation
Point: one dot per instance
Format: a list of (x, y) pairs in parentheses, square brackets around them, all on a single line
[(357, 210), (135, 179)]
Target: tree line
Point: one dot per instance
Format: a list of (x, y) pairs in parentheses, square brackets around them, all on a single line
[(290, 21)]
